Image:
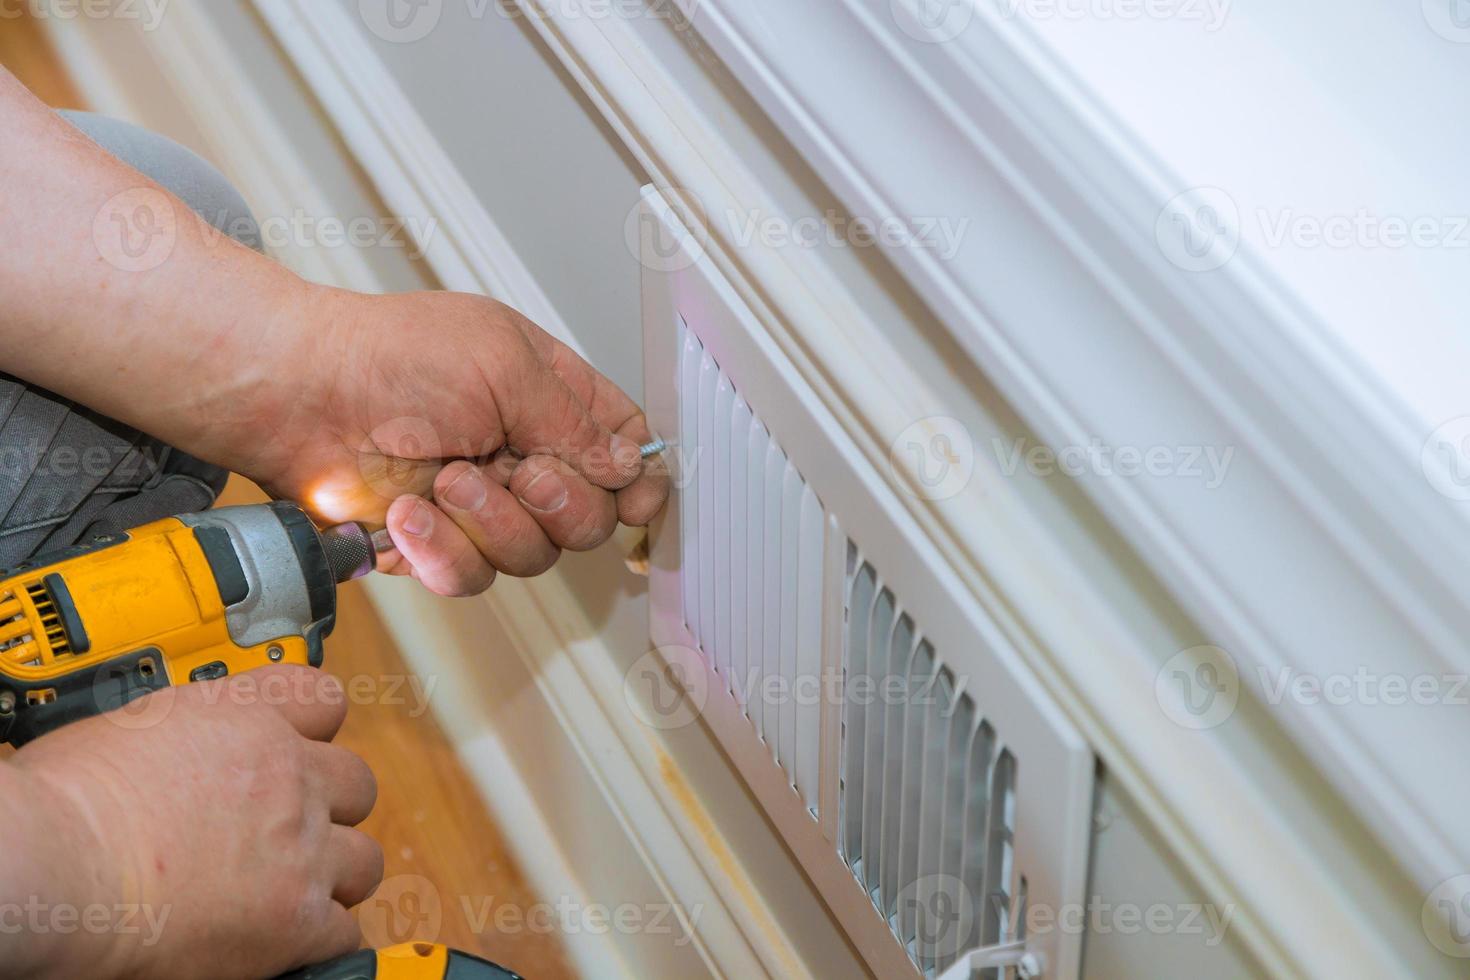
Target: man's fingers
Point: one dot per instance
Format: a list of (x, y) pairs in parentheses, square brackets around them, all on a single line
[(574, 514), (312, 701), (640, 501), (493, 519), (444, 560), (355, 862), (347, 783), (606, 402), (339, 935), (557, 423)]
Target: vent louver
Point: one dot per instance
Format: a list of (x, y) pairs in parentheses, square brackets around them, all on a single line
[(927, 788), (753, 539)]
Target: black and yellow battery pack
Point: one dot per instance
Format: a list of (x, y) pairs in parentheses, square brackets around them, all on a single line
[(410, 961)]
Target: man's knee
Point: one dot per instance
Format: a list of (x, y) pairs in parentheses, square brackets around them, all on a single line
[(181, 171)]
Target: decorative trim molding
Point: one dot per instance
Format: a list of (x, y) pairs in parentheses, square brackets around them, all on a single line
[(1230, 359), (1272, 862)]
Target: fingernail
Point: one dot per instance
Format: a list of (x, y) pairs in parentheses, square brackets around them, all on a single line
[(420, 520), (467, 491), (547, 492), (625, 452)]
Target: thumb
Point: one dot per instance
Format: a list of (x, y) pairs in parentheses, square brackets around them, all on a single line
[(553, 421)]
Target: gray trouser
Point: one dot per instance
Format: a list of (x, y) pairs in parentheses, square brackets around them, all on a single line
[(67, 473)]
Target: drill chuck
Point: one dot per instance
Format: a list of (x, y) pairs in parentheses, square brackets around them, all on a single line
[(350, 552)]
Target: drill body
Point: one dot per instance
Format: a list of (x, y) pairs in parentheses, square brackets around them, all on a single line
[(90, 628)]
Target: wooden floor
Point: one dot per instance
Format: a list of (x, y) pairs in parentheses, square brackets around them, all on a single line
[(442, 849)]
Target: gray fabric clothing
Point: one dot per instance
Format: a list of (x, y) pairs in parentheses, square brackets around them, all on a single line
[(68, 473)]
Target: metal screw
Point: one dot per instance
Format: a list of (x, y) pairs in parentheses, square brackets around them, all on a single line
[(7, 703), (275, 653), (654, 448), (1029, 967)]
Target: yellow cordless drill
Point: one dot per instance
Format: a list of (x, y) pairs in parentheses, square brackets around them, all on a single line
[(89, 628)]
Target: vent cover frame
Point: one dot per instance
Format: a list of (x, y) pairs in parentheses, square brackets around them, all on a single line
[(1054, 767)]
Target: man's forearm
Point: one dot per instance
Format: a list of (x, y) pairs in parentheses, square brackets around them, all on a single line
[(134, 306)]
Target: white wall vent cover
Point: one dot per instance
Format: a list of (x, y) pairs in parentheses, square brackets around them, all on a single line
[(929, 786)]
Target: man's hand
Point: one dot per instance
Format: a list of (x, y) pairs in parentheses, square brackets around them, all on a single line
[(213, 823), (481, 442)]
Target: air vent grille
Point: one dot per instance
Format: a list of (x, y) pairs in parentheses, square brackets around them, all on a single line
[(753, 540), (883, 717), (927, 787)]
